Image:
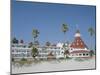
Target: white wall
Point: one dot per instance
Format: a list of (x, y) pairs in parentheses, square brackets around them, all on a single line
[(5, 37)]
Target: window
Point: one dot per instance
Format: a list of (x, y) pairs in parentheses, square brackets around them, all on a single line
[(87, 54), (13, 46), (76, 54), (83, 54), (62, 52), (12, 50), (55, 48), (80, 54), (13, 55), (17, 50), (28, 55)]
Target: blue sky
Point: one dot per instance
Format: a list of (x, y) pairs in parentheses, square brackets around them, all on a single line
[(48, 19)]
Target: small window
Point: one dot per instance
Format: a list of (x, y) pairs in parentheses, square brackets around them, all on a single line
[(12, 50), (80, 54), (83, 54), (76, 54), (87, 54)]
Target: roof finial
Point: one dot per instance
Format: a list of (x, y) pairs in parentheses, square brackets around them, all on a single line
[(77, 31)]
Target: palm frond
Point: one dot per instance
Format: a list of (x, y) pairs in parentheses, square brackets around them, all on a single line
[(91, 31)]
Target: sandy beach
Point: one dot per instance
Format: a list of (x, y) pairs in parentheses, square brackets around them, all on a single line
[(55, 66)]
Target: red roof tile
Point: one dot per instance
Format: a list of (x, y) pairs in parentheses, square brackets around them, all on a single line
[(78, 42), (80, 51)]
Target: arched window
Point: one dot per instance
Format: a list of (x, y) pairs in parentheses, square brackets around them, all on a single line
[(87, 54), (83, 54), (80, 54), (71, 49)]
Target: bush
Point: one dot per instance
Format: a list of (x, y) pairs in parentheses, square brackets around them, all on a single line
[(12, 59), (23, 59)]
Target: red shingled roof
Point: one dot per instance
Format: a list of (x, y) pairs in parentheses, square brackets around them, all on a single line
[(80, 51), (78, 42)]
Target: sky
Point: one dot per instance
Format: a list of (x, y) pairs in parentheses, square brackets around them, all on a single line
[(48, 19)]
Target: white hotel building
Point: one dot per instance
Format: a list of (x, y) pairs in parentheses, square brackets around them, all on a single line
[(22, 50), (76, 49)]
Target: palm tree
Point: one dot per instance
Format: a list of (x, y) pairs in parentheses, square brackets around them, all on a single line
[(65, 28), (66, 48), (35, 34), (34, 52), (91, 53), (66, 53), (36, 43), (92, 32)]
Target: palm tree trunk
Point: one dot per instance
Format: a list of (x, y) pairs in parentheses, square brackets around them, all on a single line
[(91, 42), (64, 38), (34, 40)]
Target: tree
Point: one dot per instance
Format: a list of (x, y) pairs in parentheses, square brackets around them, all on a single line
[(66, 52), (91, 53), (35, 34), (36, 43), (66, 49), (48, 43), (64, 28), (91, 32), (30, 44), (12, 59), (21, 41), (14, 41), (34, 52)]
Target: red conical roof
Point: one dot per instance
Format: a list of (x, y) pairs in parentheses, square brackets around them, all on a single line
[(78, 42)]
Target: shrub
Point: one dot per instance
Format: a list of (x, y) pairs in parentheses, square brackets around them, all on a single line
[(23, 59), (12, 59)]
